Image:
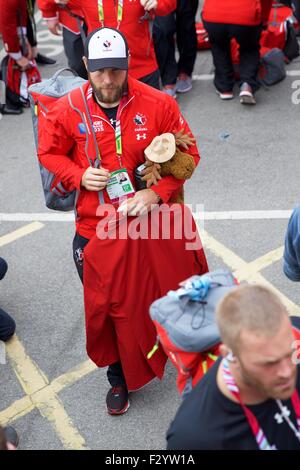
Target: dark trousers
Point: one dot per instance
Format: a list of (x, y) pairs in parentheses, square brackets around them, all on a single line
[(248, 39), (7, 324), (31, 26), (114, 372), (152, 79), (181, 22), (74, 51)]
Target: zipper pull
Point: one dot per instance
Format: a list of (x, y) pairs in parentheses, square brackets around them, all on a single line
[(154, 349)]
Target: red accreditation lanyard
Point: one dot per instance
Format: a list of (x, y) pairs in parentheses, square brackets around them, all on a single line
[(257, 431), (119, 12)]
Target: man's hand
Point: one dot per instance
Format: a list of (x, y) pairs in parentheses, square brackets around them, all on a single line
[(139, 204), (54, 26), (24, 63), (95, 179), (149, 4)]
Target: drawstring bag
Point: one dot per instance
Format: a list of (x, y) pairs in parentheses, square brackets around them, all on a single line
[(18, 82), (186, 325)]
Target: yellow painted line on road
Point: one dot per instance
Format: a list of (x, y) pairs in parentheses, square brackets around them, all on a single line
[(51, 408), (233, 261), (29, 375), (260, 263), (16, 410), (35, 384), (20, 232), (249, 274), (72, 376)]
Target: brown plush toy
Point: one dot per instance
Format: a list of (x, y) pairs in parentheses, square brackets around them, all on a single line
[(164, 158)]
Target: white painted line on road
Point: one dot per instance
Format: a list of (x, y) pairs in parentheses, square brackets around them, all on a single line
[(207, 77), (293, 73), (203, 77), (243, 215), (42, 216), (225, 215)]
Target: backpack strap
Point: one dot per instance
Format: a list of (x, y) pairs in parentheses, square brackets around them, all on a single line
[(77, 100)]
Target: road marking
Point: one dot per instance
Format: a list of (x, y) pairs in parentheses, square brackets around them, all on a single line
[(261, 263), (42, 216), (206, 215), (20, 232), (44, 396), (16, 410), (29, 375), (210, 76), (52, 408), (237, 265), (72, 376), (242, 215), (36, 386)]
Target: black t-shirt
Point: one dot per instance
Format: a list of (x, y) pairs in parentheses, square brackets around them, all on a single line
[(111, 113), (207, 420)]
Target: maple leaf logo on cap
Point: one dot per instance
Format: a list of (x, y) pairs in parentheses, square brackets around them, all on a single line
[(107, 44)]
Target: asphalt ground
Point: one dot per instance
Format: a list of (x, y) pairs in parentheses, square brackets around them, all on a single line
[(50, 392)]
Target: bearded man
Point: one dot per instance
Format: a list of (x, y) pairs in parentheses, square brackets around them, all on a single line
[(126, 115)]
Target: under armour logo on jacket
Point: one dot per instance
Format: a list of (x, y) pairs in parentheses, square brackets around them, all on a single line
[(141, 136), (279, 417)]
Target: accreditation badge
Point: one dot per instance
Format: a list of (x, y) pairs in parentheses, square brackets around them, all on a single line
[(119, 186)]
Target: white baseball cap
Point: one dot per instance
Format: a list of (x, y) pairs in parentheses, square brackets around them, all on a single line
[(106, 48)]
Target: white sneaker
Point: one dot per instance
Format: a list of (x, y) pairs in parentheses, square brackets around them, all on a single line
[(246, 94), (226, 95)]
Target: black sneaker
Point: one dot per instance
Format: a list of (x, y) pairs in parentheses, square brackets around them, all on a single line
[(43, 60), (117, 400)]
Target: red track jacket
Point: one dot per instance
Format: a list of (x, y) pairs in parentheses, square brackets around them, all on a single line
[(143, 60), (51, 10), (122, 277), (244, 12), (148, 113), (13, 13)]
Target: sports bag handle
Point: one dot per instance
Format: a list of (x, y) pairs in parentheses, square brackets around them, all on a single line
[(65, 69)]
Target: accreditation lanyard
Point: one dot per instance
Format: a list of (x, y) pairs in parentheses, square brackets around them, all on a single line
[(118, 132), (119, 12), (257, 431)]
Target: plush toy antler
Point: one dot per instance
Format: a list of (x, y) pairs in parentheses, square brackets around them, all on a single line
[(183, 140)]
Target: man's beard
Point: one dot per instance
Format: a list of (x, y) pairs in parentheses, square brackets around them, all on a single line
[(272, 390), (111, 94)]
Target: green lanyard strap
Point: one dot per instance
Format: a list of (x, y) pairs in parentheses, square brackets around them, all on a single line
[(119, 13)]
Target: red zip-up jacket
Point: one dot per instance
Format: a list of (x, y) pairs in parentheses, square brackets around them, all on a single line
[(243, 12), (13, 14), (147, 113), (143, 60), (51, 10)]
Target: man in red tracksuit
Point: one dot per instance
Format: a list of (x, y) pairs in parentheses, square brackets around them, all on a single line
[(132, 19), (126, 115), (243, 20)]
